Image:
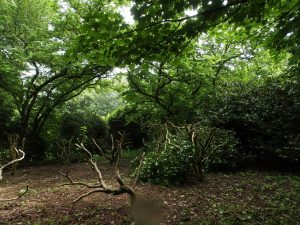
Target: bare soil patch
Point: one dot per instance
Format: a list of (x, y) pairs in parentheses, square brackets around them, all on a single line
[(242, 198)]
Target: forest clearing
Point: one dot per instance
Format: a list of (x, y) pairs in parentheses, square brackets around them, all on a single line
[(241, 198), (154, 112)]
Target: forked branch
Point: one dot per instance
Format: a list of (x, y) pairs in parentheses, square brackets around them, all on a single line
[(116, 147), (102, 187), (13, 141), (21, 155), (101, 151)]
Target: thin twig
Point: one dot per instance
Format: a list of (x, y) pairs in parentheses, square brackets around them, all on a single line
[(15, 198), (139, 169)]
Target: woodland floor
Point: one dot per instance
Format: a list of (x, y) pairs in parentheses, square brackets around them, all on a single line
[(241, 198)]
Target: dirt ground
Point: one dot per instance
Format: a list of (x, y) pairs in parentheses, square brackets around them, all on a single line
[(241, 198)]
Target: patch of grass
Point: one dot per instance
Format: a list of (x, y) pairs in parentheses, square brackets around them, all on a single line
[(130, 154), (275, 201)]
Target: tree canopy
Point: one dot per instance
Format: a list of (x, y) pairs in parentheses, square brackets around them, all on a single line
[(178, 61)]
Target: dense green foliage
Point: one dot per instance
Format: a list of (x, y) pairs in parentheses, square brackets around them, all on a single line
[(120, 120), (175, 157), (73, 70), (265, 118)]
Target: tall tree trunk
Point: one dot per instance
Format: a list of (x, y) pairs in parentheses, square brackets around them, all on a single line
[(199, 173)]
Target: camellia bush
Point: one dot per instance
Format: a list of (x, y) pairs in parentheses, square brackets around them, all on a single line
[(184, 153), (265, 118)]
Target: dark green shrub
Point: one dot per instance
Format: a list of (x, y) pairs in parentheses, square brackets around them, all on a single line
[(6, 117), (168, 166), (72, 126), (120, 120), (175, 161), (265, 118), (96, 127), (80, 127), (4, 155)]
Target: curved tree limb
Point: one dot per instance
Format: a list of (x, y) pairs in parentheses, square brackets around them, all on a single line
[(103, 187), (21, 155)]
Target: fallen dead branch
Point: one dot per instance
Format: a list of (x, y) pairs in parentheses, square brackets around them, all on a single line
[(141, 210), (21, 155), (17, 197)]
